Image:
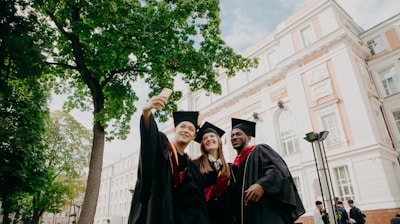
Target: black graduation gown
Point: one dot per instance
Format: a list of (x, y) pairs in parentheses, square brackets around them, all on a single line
[(220, 210), (280, 203), (156, 199)]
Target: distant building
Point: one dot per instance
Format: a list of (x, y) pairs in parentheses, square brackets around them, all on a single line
[(69, 215), (116, 188), (318, 71)]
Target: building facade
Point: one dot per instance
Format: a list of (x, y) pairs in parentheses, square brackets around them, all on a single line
[(320, 71), (116, 189), (69, 215), (317, 71)]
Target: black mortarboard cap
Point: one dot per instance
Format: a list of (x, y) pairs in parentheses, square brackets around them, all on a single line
[(191, 116), (247, 127), (207, 128)]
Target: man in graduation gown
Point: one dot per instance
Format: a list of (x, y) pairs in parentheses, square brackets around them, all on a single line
[(166, 190), (264, 190)]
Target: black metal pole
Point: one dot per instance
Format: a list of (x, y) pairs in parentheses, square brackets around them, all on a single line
[(316, 167), (327, 178)]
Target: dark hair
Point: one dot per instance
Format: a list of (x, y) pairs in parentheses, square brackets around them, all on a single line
[(340, 203), (398, 215), (350, 201), (318, 202)]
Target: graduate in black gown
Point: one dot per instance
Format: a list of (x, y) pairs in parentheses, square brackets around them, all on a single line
[(264, 189), (215, 174), (166, 190)]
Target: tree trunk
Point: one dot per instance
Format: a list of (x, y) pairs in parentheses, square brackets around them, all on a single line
[(93, 182), (36, 216), (6, 209)]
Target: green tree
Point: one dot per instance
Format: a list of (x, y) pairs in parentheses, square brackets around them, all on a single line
[(67, 158), (21, 149), (101, 47), (23, 108)]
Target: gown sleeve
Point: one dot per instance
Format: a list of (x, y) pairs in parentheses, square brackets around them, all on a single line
[(153, 148), (277, 180)]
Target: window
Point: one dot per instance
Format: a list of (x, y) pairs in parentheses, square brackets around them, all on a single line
[(344, 183), (376, 45), (396, 116), (330, 123), (390, 80), (288, 136), (296, 181), (307, 36)]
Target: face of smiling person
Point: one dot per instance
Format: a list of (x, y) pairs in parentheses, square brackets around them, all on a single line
[(239, 139), (185, 132), (210, 142)]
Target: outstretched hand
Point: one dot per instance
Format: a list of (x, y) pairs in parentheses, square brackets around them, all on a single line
[(253, 193), (156, 102)]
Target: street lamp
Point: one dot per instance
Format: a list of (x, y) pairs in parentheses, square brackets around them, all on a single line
[(324, 176)]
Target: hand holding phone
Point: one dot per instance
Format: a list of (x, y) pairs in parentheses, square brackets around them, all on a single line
[(165, 93)]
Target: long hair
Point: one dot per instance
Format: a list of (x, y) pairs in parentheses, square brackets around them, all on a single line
[(205, 166)]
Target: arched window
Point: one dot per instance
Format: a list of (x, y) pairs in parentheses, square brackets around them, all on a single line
[(287, 133)]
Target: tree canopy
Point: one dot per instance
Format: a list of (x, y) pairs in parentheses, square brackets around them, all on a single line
[(23, 106), (99, 48), (67, 155)]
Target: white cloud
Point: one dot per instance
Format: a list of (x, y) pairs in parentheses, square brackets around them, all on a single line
[(243, 28), (370, 13)]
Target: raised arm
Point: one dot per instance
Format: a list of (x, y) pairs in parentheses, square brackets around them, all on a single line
[(156, 102), (150, 148)]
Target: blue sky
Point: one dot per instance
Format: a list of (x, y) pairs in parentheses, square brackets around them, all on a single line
[(244, 23)]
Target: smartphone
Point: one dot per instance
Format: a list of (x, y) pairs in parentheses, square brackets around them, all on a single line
[(165, 93)]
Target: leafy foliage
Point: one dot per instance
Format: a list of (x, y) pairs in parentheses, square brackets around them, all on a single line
[(100, 48), (23, 108), (114, 43), (67, 158), (27, 163)]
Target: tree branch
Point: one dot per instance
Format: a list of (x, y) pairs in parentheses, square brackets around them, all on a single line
[(62, 64), (165, 29), (110, 75), (58, 24)]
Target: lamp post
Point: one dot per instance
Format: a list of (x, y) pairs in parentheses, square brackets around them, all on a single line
[(324, 176)]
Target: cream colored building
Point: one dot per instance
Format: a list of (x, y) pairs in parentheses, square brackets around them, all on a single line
[(116, 188), (318, 71), (69, 215)]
